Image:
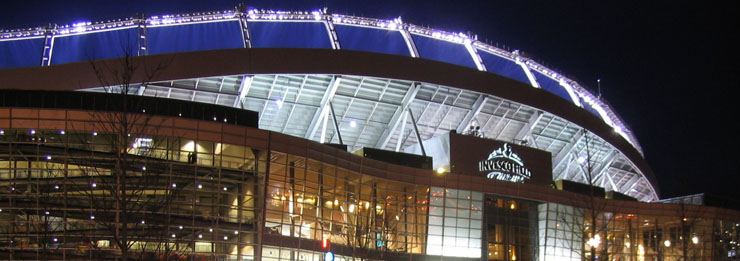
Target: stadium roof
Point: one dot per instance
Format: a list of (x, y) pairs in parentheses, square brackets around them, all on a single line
[(371, 108)]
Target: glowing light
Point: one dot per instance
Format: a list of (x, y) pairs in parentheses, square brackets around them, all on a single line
[(440, 170), (46, 212), (173, 235), (2, 132), (95, 133), (48, 157), (236, 232), (667, 243), (143, 167), (56, 186), (594, 241), (32, 132), (210, 229), (695, 240), (174, 185), (92, 217), (367, 204), (54, 239), (94, 184), (225, 189), (336, 202), (581, 159), (226, 238), (61, 132), (143, 222), (353, 123), (200, 186), (351, 208), (179, 227), (200, 235), (279, 102)]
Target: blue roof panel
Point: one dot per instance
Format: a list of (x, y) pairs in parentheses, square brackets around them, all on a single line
[(289, 35), (94, 46), (21, 53), (371, 40), (550, 85), (503, 67), (194, 37), (443, 51)]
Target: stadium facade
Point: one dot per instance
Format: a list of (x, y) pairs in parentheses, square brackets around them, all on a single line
[(269, 135)]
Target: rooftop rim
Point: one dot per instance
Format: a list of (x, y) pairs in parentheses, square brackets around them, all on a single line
[(579, 94)]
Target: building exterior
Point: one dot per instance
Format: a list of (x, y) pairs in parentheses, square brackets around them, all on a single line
[(269, 135)]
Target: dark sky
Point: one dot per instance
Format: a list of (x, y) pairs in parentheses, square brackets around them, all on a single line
[(669, 68)]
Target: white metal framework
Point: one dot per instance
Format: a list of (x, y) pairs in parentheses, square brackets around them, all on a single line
[(370, 113)]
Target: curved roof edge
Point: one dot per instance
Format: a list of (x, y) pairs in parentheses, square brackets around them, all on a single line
[(577, 93), (75, 76)]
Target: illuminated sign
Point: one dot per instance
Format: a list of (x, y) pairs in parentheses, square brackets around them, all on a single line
[(504, 164)]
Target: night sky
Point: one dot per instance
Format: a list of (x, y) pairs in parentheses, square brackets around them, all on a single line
[(669, 68)]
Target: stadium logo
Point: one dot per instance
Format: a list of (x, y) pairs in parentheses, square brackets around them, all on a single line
[(504, 164)]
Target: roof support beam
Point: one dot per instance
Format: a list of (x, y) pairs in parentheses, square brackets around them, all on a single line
[(526, 131), (396, 119), (400, 133), (602, 169), (631, 183), (323, 109), (563, 154), (243, 90), (473, 113)]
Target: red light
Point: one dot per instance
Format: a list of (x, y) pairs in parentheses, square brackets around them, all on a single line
[(325, 243)]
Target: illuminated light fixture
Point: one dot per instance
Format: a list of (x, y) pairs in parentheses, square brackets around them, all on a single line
[(95, 133), (279, 102), (200, 186), (173, 235), (226, 238), (174, 185), (143, 110), (351, 208), (143, 167), (594, 241), (143, 222), (667, 243), (440, 170), (2, 132), (94, 184), (336, 202), (32, 131), (210, 229), (200, 235), (225, 189), (581, 159), (54, 239), (236, 232), (367, 204), (92, 217), (695, 240), (214, 118), (179, 114), (61, 132), (1, 210), (397, 218), (56, 186), (46, 212), (225, 120), (48, 157), (179, 227), (627, 244), (353, 123)]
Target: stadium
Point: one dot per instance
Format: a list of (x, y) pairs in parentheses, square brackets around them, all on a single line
[(253, 134)]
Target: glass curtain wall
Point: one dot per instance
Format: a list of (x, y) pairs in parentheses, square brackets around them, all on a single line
[(455, 222), (313, 200), (72, 195), (511, 229)]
